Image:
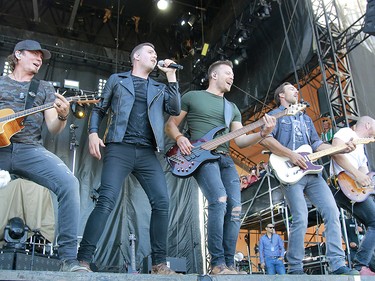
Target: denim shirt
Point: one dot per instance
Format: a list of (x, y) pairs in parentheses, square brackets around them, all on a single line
[(270, 247), (294, 131)]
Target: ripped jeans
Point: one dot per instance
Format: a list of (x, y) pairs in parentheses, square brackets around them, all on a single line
[(219, 182)]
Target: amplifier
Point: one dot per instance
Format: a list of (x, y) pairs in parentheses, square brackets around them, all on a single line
[(6, 260), (38, 262), (176, 264)]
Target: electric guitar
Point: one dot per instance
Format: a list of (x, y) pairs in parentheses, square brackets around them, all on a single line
[(11, 123), (288, 173), (184, 165), (352, 189)]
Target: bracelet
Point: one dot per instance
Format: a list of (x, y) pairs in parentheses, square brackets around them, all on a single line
[(179, 136), (63, 118)]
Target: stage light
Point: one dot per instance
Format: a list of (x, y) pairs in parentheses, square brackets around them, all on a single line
[(238, 256), (15, 234), (192, 20), (163, 4), (6, 70), (243, 36), (79, 111), (71, 84), (101, 85)]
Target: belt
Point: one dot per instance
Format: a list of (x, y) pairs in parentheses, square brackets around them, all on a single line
[(221, 152)]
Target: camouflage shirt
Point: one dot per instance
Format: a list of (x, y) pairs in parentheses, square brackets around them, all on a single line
[(13, 96)]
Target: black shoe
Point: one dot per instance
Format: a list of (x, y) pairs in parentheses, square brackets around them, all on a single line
[(344, 270), (297, 272)]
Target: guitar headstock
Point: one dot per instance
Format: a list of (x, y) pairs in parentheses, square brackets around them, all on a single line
[(293, 109), (363, 140)]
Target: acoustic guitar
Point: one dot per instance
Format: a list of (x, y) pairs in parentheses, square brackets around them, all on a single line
[(11, 123)]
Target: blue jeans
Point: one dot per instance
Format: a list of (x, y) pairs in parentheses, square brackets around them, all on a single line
[(315, 188), (119, 161), (44, 168), (274, 266), (365, 213), (220, 184)]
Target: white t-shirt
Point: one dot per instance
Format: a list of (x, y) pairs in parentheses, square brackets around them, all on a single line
[(357, 157)]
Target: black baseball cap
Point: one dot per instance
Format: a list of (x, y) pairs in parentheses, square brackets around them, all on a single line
[(31, 45)]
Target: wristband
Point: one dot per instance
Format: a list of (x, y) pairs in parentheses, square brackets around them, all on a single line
[(62, 118)]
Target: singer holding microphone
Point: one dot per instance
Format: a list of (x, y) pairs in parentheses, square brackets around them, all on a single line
[(135, 130)]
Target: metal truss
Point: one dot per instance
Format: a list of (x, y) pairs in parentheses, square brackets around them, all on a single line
[(329, 68), (332, 69)]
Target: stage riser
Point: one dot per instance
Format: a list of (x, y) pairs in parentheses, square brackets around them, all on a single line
[(63, 276)]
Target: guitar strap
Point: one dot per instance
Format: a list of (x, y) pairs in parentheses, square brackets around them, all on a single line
[(227, 112), (33, 89)]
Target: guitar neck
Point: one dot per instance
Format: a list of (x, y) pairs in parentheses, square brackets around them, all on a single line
[(24, 113), (329, 151), (212, 144)]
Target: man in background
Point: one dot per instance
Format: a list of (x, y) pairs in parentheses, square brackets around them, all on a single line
[(271, 252)]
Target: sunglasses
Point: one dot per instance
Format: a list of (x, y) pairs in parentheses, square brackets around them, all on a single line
[(325, 120), (270, 227)]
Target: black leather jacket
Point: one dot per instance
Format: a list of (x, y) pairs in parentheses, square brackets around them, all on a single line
[(118, 97)]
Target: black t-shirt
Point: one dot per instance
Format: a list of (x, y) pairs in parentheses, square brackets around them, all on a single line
[(139, 129)]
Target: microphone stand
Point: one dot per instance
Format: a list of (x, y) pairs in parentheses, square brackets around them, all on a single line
[(73, 145)]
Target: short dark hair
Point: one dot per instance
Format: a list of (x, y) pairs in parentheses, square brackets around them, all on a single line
[(278, 91), (137, 48), (214, 65)]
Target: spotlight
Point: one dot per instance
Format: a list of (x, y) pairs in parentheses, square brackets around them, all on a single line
[(241, 57), (15, 234), (243, 36), (79, 111), (191, 20), (238, 256), (163, 4)]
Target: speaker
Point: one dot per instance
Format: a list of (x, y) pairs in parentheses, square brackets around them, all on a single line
[(324, 103), (176, 264), (369, 26), (6, 260), (36, 262)]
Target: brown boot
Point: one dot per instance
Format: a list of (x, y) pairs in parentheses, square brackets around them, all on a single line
[(238, 271), (163, 269), (222, 269)]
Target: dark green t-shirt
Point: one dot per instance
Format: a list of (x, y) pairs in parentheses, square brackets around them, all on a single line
[(205, 112)]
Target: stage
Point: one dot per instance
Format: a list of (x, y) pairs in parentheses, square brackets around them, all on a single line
[(13, 275)]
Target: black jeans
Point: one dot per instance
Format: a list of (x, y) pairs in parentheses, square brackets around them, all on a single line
[(119, 161), (364, 212)]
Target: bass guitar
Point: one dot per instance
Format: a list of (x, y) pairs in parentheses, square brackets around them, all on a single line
[(353, 190), (288, 173), (11, 122), (184, 165)]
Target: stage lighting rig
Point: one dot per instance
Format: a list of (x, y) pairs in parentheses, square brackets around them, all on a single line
[(15, 234)]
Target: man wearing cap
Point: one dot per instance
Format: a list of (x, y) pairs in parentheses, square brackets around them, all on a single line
[(25, 156)]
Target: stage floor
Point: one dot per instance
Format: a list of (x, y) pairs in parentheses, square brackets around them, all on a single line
[(13, 275)]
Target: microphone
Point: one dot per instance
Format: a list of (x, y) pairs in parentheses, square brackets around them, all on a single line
[(73, 126), (172, 65)]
